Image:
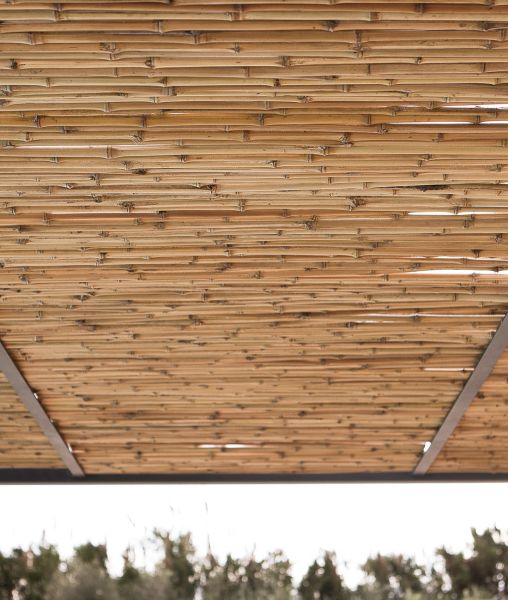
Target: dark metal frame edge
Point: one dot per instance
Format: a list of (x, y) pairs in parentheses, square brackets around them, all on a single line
[(62, 476)]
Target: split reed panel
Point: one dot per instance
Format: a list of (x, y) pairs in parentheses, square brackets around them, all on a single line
[(267, 237)]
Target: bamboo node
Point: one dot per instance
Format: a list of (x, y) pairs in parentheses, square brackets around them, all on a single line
[(345, 140), (128, 206), (224, 267), (85, 324), (108, 46), (311, 223), (329, 25)]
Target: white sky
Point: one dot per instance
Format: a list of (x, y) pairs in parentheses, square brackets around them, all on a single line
[(355, 520)]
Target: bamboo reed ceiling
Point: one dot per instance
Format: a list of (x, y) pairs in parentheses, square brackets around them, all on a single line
[(258, 237)]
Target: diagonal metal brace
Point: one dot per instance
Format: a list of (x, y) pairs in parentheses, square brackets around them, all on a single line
[(30, 400), (483, 369)]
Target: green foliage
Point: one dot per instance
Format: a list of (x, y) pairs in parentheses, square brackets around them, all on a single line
[(178, 566), (89, 554), (42, 567), (486, 570), (393, 577), (7, 577), (27, 573), (480, 573), (322, 581), (137, 584), (131, 575), (247, 579), (82, 581)]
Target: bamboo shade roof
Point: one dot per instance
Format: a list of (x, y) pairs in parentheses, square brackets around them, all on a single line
[(266, 237)]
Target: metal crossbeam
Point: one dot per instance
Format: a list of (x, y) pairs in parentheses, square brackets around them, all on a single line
[(483, 369), (61, 476), (30, 400)]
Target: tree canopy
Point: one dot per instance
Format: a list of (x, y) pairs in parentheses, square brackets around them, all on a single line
[(479, 572)]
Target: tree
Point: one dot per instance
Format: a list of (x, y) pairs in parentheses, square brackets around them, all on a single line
[(322, 581), (89, 554), (42, 566), (7, 578), (392, 577), (277, 580), (82, 581), (221, 581), (479, 573), (86, 576), (486, 570), (247, 579), (28, 572), (457, 570), (178, 567), (137, 584)]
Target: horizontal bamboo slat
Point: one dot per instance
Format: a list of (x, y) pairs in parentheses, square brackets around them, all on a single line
[(266, 237)]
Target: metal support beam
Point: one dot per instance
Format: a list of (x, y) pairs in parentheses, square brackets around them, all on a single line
[(61, 476), (483, 369), (30, 400)]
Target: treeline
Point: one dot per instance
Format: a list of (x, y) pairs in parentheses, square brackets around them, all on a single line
[(40, 574)]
